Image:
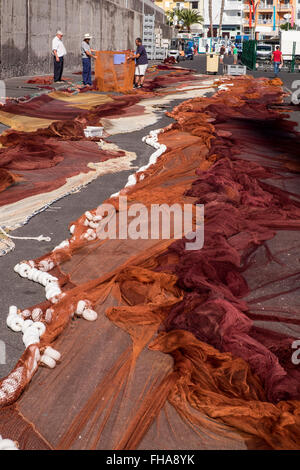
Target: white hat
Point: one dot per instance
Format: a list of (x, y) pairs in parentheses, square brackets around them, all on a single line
[(60, 32), (87, 36)]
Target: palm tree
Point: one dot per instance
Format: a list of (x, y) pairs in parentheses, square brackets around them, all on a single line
[(287, 26), (190, 17), (210, 18), (221, 17), (171, 15)]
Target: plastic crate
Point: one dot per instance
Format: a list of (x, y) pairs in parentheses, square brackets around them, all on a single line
[(151, 53), (148, 42), (235, 69), (149, 23), (91, 131), (149, 36)]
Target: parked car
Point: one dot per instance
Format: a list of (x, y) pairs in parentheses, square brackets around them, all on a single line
[(264, 52), (174, 53)]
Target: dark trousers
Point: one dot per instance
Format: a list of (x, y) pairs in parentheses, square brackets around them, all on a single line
[(58, 69), (87, 71)]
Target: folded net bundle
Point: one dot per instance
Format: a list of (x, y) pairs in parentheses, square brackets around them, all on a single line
[(191, 349), (114, 71)]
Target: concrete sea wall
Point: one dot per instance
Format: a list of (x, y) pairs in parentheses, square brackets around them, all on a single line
[(27, 28)]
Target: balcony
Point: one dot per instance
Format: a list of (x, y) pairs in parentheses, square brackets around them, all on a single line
[(237, 5), (284, 7), (232, 20), (266, 22), (265, 6)]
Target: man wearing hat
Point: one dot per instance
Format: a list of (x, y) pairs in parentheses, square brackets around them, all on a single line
[(58, 51), (86, 55)]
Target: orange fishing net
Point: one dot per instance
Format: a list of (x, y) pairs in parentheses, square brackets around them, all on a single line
[(114, 71), (191, 348)]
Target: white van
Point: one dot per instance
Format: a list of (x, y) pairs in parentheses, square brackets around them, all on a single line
[(264, 52)]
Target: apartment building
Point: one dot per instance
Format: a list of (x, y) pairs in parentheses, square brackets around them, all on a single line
[(269, 15), (169, 5), (231, 21)]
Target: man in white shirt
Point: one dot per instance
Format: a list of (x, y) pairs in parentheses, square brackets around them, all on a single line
[(58, 51)]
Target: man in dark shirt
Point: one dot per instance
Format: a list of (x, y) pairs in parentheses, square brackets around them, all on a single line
[(141, 60)]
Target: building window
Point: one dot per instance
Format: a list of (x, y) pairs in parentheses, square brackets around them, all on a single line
[(195, 5), (265, 18)]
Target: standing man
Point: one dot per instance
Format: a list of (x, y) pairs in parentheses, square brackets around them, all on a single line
[(235, 54), (222, 52), (58, 51), (277, 59), (87, 56), (141, 63)]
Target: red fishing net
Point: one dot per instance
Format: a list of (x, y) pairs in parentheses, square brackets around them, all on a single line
[(45, 158), (191, 349), (28, 155)]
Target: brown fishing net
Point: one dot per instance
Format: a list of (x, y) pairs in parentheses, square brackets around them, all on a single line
[(114, 71), (191, 349)]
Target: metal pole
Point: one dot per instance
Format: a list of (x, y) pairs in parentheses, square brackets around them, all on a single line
[(293, 57)]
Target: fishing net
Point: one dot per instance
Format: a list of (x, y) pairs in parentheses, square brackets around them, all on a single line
[(191, 349), (45, 152), (114, 71), (45, 158)]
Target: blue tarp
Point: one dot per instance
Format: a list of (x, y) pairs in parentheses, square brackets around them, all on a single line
[(119, 59)]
